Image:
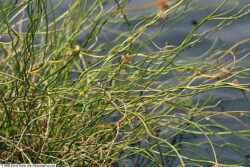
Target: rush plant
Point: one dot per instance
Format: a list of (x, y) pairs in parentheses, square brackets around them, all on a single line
[(98, 83)]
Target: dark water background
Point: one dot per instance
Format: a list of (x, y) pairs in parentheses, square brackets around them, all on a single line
[(233, 100), (229, 35)]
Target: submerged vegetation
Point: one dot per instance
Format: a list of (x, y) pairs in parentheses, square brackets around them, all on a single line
[(98, 83)]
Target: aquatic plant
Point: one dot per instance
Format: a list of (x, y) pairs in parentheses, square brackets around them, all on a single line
[(101, 84)]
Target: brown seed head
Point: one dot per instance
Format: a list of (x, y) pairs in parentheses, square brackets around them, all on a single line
[(127, 59), (235, 82), (162, 4)]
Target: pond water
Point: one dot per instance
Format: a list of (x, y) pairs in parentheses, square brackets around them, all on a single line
[(230, 35), (234, 100)]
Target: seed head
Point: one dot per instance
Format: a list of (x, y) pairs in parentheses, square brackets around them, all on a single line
[(162, 4), (78, 48), (235, 82), (127, 59)]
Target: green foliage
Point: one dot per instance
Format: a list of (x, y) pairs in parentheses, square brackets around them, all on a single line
[(90, 86)]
